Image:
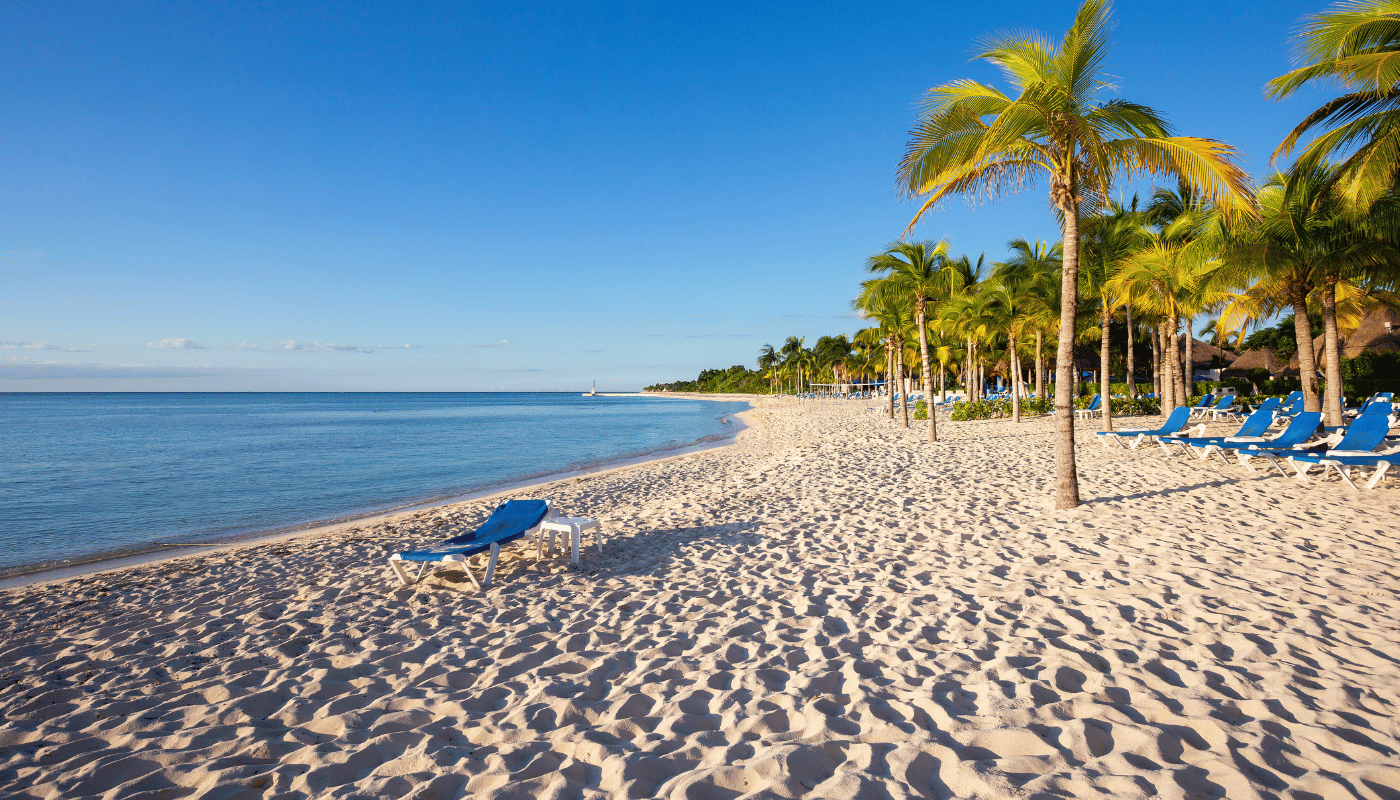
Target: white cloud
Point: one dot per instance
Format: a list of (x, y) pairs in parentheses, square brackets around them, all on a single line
[(501, 343), (397, 347), (11, 344), (292, 345), (176, 344)]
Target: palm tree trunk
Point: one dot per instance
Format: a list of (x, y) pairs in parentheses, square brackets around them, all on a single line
[(927, 374), (1189, 368), (1307, 361), (1066, 476), (1153, 341), (1172, 372), (1331, 353), (1012, 360), (1040, 365), (1165, 388), (903, 395), (889, 376), (1105, 379), (1132, 385), (942, 381)]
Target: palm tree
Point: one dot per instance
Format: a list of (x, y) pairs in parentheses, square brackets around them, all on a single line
[(768, 359), (920, 270), (880, 301), (1308, 243), (972, 139), (1163, 277), (1356, 44), (793, 350), (1036, 268), (1109, 240)]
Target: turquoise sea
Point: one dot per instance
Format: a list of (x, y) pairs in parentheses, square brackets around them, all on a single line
[(84, 476)]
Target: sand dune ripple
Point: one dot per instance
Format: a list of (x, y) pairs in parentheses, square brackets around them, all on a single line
[(827, 608)]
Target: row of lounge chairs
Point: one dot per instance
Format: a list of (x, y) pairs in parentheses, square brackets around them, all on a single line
[(1361, 444)]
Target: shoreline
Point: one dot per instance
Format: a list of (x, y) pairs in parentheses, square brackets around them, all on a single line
[(43, 574)]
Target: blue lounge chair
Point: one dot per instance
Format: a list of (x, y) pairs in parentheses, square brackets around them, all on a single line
[(1378, 397), (1287, 402), (1269, 404), (1224, 408), (512, 520), (1202, 406), (1299, 430), (1254, 425), (1363, 435), (1175, 422), (1092, 408), (1378, 408)]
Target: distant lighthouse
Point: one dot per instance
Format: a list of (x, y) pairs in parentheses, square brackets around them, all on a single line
[(594, 391)]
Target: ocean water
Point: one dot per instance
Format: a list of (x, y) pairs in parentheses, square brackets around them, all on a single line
[(89, 475)]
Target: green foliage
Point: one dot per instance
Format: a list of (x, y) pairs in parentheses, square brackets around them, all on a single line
[(996, 409), (1129, 406), (920, 409), (1281, 339), (738, 379), (1369, 373)]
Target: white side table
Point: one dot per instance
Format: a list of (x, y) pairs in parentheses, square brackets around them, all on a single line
[(572, 528)]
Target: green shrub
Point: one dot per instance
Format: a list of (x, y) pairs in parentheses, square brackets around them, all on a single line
[(920, 409), (996, 409), (1129, 406), (1369, 373)]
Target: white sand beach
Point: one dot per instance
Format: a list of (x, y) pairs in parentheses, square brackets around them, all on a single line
[(828, 607)]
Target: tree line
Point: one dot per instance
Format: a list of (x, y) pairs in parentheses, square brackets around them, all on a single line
[(1320, 236)]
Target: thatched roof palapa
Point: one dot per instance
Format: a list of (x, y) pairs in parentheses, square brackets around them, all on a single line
[(1203, 355), (1256, 359), (1371, 336)]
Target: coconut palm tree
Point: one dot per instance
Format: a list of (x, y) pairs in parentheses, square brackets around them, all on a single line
[(1162, 277), (1035, 271), (973, 139), (1109, 239), (923, 272), (1355, 44), (881, 301), (1308, 242), (767, 360)]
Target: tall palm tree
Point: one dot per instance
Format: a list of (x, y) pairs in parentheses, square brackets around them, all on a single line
[(920, 270), (1109, 239), (1308, 242), (768, 359), (973, 139), (881, 301), (793, 350), (1036, 268), (1161, 277), (1356, 44)]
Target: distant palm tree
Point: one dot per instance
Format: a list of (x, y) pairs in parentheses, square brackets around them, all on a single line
[(792, 352), (974, 140), (768, 360), (1034, 269), (1109, 239), (890, 310), (921, 271)]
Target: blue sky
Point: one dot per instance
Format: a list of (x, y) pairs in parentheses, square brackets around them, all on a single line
[(347, 196)]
